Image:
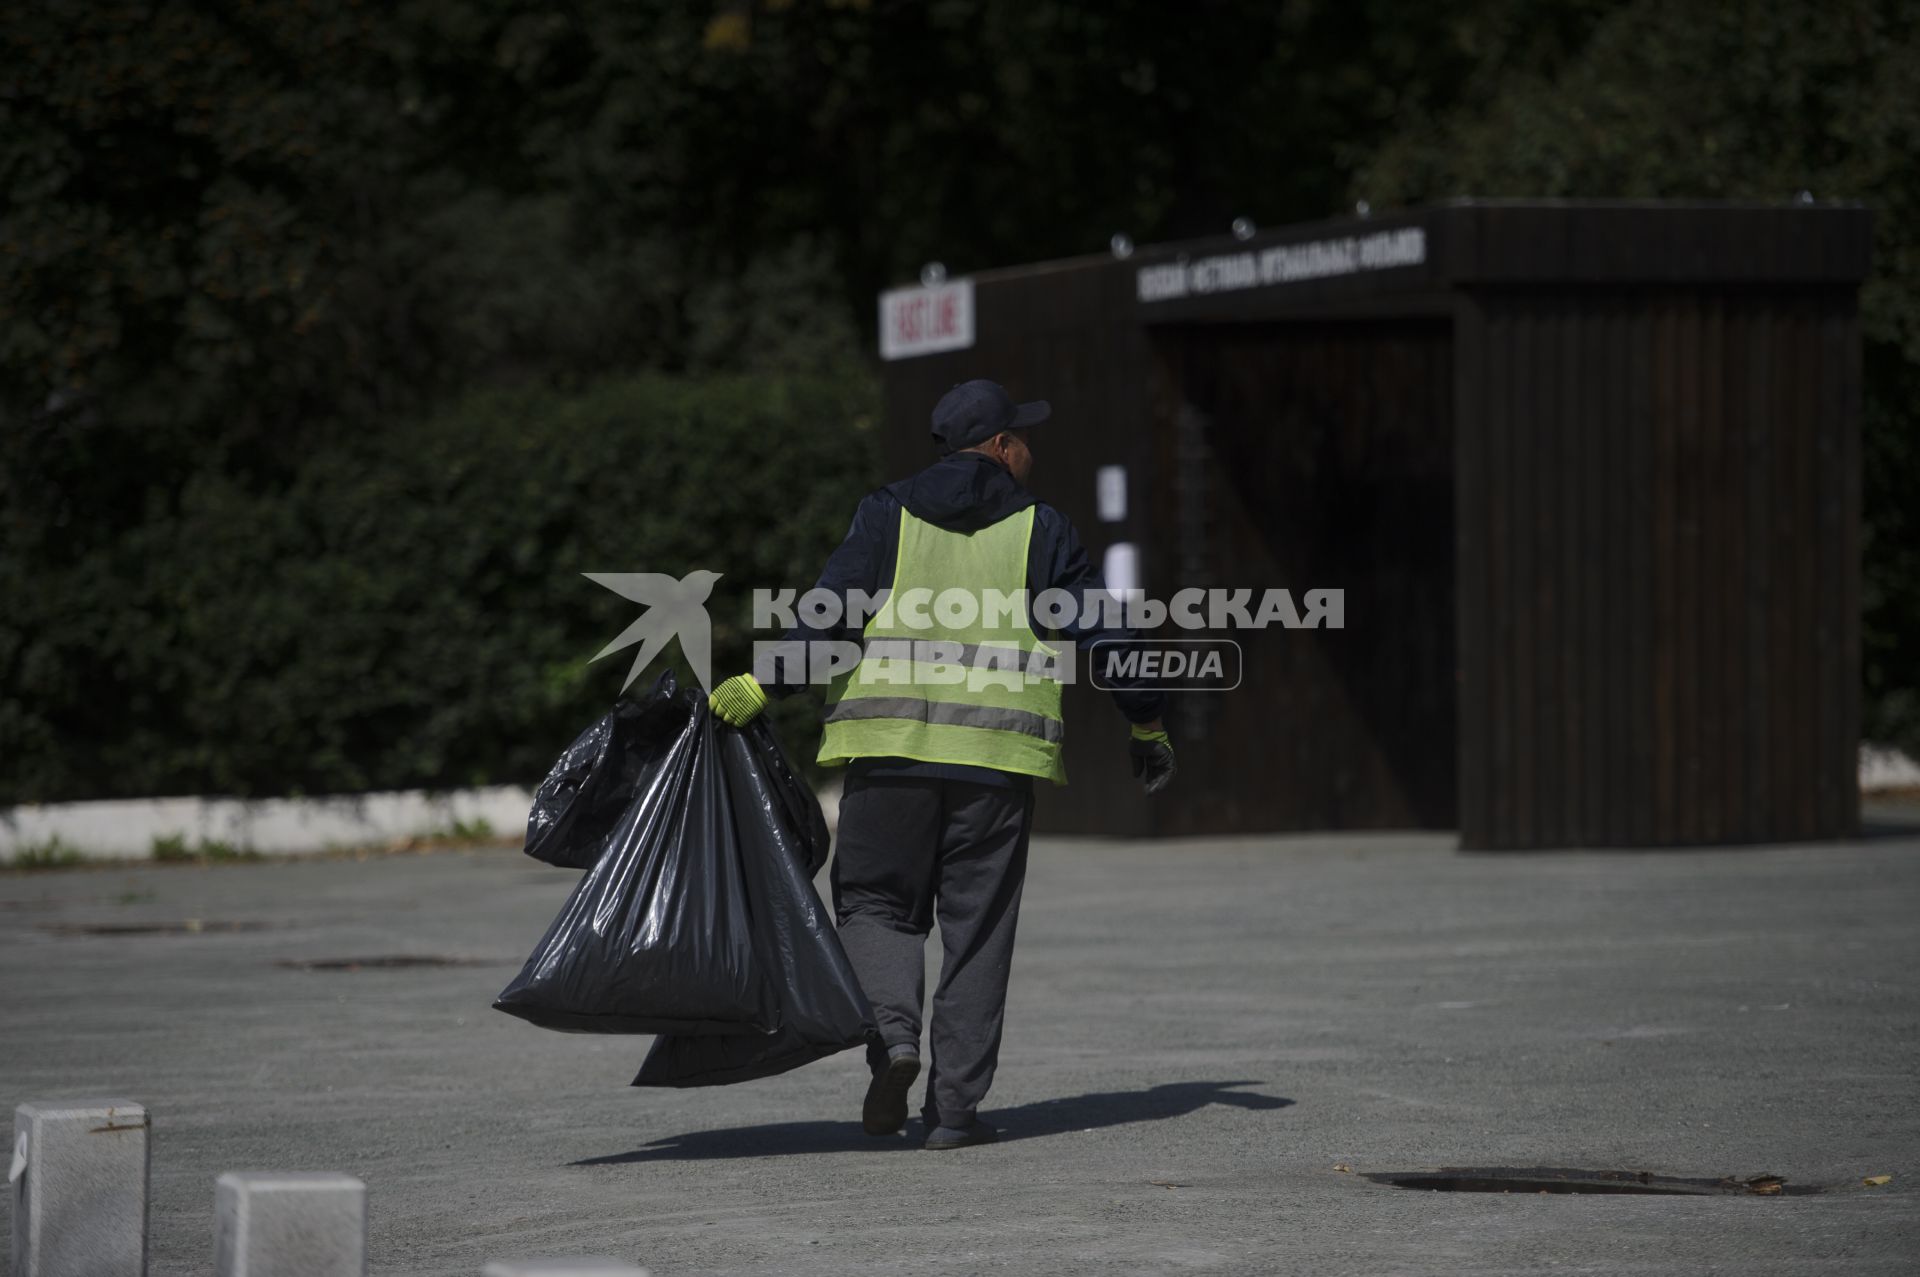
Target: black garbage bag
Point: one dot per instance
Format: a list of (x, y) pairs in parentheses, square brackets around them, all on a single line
[(822, 1010), (610, 765), (697, 917), (594, 782)]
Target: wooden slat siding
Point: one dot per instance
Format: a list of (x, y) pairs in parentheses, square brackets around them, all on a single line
[(1629, 501), (1544, 419), (1737, 816), (1718, 662), (1690, 585), (1849, 673), (1792, 602), (1831, 571), (1805, 562), (1754, 366), (1499, 375), (1440, 807), (1606, 678), (1736, 819), (1471, 551), (1549, 682), (1661, 620), (1596, 581), (1363, 776), (1675, 637), (1439, 690), (1575, 626), (1702, 801), (1602, 673), (1697, 610), (1300, 673), (1781, 621), (1530, 422), (1806, 566), (1734, 816), (1552, 528), (1779, 536), (1573, 638), (1645, 574), (1543, 532), (1522, 445)]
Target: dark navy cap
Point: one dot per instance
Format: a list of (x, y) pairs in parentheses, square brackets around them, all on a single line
[(975, 411)]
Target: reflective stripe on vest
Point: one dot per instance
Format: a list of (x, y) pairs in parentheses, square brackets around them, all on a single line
[(999, 720), (907, 699)]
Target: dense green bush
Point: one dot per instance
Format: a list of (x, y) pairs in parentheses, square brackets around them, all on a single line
[(410, 611)]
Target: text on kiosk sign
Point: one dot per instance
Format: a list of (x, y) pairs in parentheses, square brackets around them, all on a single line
[(1282, 264), (923, 321)]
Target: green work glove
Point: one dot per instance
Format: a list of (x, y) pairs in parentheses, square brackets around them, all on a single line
[(1152, 756), (738, 701)]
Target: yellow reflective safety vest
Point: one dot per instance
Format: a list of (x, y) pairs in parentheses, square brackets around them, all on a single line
[(951, 670)]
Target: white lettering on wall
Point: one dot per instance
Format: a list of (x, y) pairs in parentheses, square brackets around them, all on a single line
[(1282, 264)]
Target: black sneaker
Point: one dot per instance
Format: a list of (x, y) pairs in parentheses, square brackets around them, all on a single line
[(974, 1132), (885, 1111)]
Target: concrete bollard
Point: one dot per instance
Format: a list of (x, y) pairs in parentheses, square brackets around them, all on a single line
[(563, 1268), (289, 1224), (79, 1172)]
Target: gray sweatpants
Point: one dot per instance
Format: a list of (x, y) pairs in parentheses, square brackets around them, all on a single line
[(908, 849)]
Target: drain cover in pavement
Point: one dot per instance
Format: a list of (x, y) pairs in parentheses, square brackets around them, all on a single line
[(1560, 1179), (395, 962)]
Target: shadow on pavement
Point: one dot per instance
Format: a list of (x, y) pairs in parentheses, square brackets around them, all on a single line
[(1022, 1122)]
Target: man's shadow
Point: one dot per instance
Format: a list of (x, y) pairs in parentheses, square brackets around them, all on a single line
[(1021, 1122)]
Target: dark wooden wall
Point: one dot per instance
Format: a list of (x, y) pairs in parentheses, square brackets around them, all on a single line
[(1658, 565), (1646, 632), (1302, 456)]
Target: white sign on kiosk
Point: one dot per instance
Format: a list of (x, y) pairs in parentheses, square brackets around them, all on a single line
[(924, 321)]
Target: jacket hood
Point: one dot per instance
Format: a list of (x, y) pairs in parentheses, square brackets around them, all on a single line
[(963, 492)]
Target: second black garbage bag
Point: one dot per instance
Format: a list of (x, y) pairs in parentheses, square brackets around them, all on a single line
[(697, 918)]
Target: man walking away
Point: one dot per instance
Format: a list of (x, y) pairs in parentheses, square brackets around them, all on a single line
[(938, 803)]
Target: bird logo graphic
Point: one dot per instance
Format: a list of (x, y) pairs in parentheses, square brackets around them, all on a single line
[(675, 609)]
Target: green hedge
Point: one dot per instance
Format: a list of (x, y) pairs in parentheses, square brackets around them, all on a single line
[(410, 610)]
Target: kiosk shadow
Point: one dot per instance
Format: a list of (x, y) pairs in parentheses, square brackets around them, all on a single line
[(1021, 1122)]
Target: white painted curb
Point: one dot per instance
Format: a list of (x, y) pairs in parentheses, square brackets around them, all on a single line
[(1882, 768), (127, 828)]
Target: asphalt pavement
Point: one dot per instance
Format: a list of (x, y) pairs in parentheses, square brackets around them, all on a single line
[(1210, 1047)]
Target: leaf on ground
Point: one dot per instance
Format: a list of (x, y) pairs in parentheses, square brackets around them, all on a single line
[(1875, 1181)]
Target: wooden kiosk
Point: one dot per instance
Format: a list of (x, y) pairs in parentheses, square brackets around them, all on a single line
[(1588, 474)]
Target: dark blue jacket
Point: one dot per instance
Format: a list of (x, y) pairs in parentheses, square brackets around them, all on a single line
[(963, 492)]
